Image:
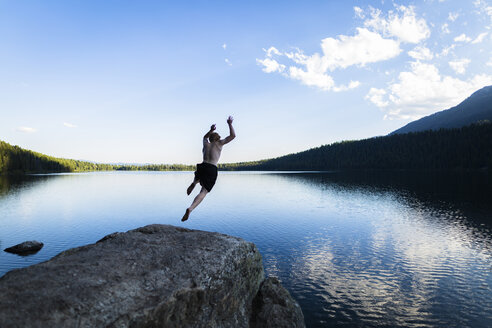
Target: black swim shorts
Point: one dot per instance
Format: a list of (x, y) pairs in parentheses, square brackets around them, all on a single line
[(207, 174)]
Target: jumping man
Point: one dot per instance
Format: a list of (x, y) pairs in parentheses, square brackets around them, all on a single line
[(206, 172)]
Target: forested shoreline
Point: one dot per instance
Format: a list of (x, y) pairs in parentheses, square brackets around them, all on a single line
[(16, 160), (468, 147)]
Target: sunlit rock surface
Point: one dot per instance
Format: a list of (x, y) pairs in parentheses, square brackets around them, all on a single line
[(154, 276)]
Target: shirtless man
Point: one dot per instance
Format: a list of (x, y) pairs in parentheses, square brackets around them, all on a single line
[(206, 172)]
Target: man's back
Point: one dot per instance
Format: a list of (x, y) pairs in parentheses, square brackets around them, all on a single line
[(212, 151)]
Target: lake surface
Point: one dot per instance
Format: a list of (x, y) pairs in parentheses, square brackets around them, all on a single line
[(386, 249)]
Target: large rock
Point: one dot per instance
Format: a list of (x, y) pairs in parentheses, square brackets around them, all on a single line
[(154, 276)]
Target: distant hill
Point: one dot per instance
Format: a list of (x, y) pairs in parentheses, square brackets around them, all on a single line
[(476, 108), (468, 147)]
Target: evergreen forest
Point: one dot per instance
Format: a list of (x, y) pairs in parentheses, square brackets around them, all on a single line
[(16, 160), (468, 147)]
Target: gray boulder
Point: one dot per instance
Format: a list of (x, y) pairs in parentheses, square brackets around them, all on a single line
[(274, 307), (25, 248), (154, 276)]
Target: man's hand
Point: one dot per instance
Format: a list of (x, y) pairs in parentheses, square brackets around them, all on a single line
[(212, 128), (232, 134)]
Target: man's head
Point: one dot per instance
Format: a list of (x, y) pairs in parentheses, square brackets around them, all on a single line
[(214, 137)]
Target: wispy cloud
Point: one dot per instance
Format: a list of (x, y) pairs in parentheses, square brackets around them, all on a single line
[(224, 46), (447, 50), (484, 8), (359, 12), (269, 64), (228, 62), (376, 96), (26, 129), (401, 23), (462, 38), (421, 53), (445, 28), (69, 125), (480, 38), (453, 16), (459, 66)]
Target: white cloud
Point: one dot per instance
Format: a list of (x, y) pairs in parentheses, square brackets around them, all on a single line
[(359, 12), (26, 129), (447, 50), (272, 51), (224, 46), (489, 63), (453, 16), (337, 53), (351, 85), (376, 97), (459, 66), (363, 48), (228, 62), (270, 65), (484, 8), (423, 90), (480, 38), (462, 38), (421, 53), (379, 40), (312, 78), (69, 125), (402, 24), (445, 28)]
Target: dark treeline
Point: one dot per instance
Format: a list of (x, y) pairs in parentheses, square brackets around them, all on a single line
[(16, 160), (464, 148)]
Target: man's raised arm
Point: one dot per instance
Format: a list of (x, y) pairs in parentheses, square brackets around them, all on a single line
[(232, 133), (205, 137)]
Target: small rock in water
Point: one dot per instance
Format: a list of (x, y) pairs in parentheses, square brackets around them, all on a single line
[(25, 248)]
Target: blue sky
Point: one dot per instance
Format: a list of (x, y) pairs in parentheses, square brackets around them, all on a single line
[(142, 81)]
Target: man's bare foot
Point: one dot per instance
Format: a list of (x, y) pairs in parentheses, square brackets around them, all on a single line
[(190, 188), (186, 215)]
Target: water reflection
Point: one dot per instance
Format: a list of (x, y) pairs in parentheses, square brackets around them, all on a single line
[(411, 265), (10, 183)]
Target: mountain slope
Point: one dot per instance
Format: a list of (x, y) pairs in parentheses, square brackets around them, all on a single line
[(477, 107)]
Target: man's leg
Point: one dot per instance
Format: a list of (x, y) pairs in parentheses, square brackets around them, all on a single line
[(198, 199), (192, 186)]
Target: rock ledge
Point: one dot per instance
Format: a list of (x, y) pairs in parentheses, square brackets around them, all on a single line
[(154, 276)]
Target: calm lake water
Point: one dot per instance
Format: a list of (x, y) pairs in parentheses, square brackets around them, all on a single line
[(387, 249)]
